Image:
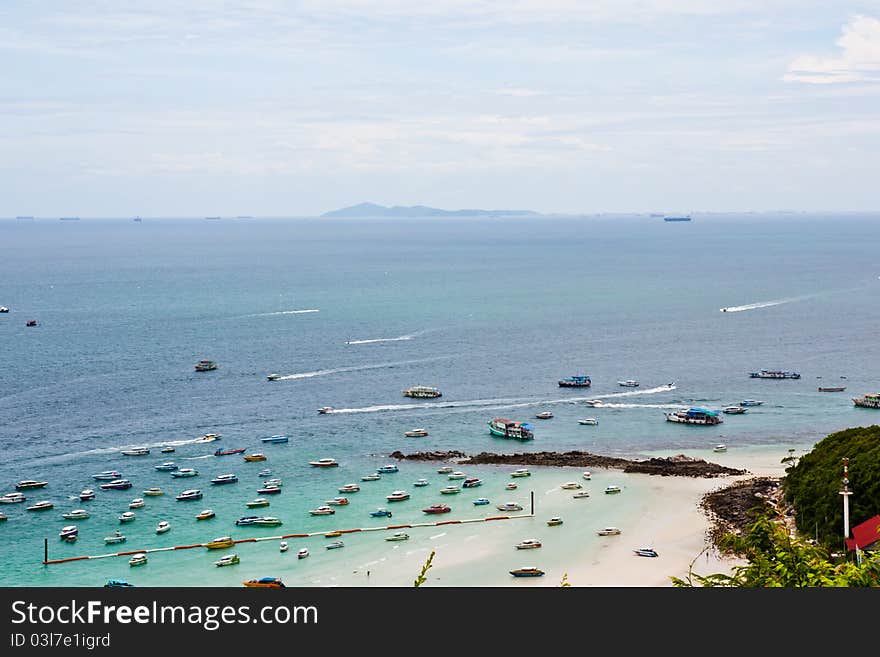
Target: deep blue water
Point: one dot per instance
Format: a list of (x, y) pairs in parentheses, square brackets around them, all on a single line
[(491, 311)]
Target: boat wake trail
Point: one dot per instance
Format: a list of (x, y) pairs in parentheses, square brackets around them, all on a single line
[(465, 406), (760, 304), (399, 338), (357, 368), (286, 312)]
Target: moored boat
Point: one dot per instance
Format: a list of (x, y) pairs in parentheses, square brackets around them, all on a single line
[(137, 503), (832, 388), (587, 475), (283, 546), (153, 491), (646, 552), (335, 545), (322, 511), (571, 485), (338, 501), (591, 421), (458, 474), (116, 537), (509, 506), (271, 489), (163, 527), (720, 447), (544, 415), (444, 470), (30, 484), (511, 486), (421, 483), (450, 490), (521, 472), (371, 477), (229, 478), (138, 559), (386, 469), (220, 542), (700, 416), (302, 553), (612, 489), (481, 501), (116, 484), (257, 502), (254, 457), (527, 571), (324, 463), (205, 365), (265, 583), (416, 433), (608, 531), (528, 544), (68, 533), (115, 583), (267, 521), (227, 560), (167, 466), (734, 410), (554, 521), (504, 428), (87, 494), (12, 498), (185, 472), (580, 495), (107, 475), (275, 439), (398, 536), (381, 513), (629, 383), (128, 516), (435, 509), (76, 514), (471, 482), (397, 496), (349, 488), (206, 514), (191, 494)]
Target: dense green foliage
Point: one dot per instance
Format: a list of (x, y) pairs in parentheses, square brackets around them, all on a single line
[(813, 484), (776, 559)]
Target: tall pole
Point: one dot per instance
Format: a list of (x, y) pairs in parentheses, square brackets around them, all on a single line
[(846, 492), (45, 551), (533, 502)]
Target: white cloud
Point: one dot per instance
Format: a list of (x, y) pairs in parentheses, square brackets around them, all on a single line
[(857, 61)]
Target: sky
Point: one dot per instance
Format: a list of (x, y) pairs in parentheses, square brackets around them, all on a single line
[(293, 108)]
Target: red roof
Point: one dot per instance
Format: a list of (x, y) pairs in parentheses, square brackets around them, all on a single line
[(864, 534)]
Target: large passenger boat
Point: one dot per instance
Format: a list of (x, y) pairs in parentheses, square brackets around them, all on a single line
[(695, 416), (870, 400), (504, 428), (576, 381), (774, 374), (422, 392)]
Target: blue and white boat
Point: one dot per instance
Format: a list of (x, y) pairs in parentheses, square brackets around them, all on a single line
[(167, 467), (225, 479), (334, 545), (275, 439), (480, 501), (385, 469), (381, 513), (107, 475)]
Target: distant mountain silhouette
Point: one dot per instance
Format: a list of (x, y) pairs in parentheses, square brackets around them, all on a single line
[(373, 210)]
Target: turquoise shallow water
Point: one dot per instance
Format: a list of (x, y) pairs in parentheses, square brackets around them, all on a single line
[(492, 312)]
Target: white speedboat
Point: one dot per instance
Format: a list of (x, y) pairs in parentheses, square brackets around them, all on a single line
[(544, 415), (128, 516), (509, 506), (629, 383), (87, 494), (646, 552), (720, 447), (416, 433), (227, 560), (324, 410), (167, 466), (554, 521), (371, 477), (324, 463), (734, 410), (750, 402), (511, 486), (107, 475), (571, 485), (185, 472), (609, 531), (456, 475), (69, 533), (323, 511), (349, 488), (12, 498), (449, 490), (588, 475), (265, 472), (419, 483), (207, 438), (398, 536), (397, 496), (338, 501), (138, 560), (522, 472), (528, 544), (589, 421), (593, 402), (136, 451), (192, 494), (154, 491), (444, 470), (163, 527), (273, 377), (44, 505), (136, 503), (283, 546), (116, 537), (302, 553), (580, 495), (116, 484), (30, 484), (76, 514), (612, 489)]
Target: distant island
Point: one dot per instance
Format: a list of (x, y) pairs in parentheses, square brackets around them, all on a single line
[(373, 210)]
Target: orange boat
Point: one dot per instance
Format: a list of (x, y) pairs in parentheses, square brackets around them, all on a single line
[(255, 457), (265, 583), (219, 543)]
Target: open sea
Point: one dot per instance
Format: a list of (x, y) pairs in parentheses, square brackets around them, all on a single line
[(350, 312)]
